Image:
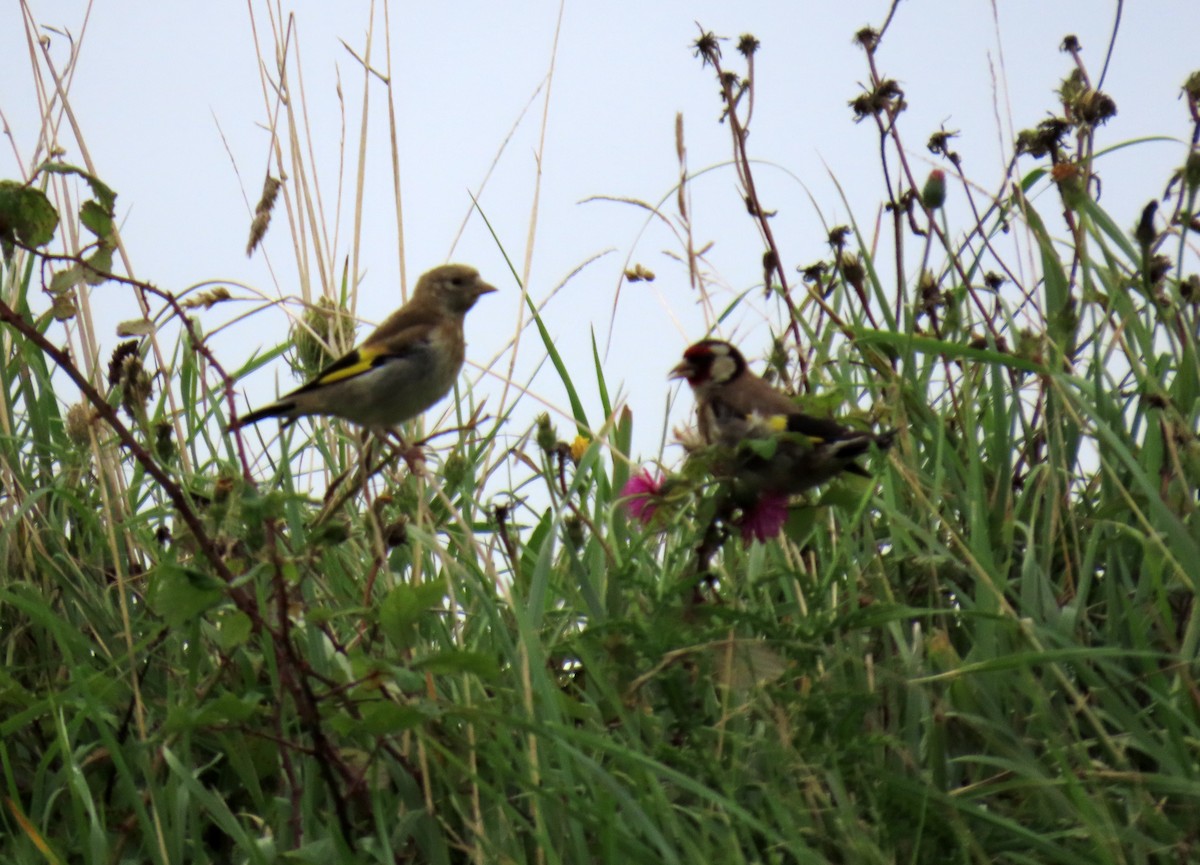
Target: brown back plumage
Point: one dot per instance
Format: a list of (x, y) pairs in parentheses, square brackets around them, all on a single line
[(733, 406)]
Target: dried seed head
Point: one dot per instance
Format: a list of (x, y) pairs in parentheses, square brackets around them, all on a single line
[(939, 143), (867, 38), (135, 383), (164, 442), (116, 361), (838, 235), (707, 47), (324, 332), (885, 98), (78, 424), (1045, 139), (1095, 107), (639, 273), (1189, 289), (814, 272), (1191, 87), (1159, 267), (262, 213)]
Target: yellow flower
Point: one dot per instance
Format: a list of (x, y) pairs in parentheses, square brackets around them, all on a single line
[(579, 447)]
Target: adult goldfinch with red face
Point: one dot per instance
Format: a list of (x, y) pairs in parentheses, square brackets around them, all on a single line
[(778, 448), (409, 363)]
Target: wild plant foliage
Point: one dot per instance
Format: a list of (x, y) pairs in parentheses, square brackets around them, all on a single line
[(220, 647)]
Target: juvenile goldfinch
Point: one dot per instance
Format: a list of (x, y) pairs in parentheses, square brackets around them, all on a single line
[(405, 366), (778, 449)]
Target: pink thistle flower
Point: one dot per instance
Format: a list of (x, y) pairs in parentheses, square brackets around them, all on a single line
[(639, 494), (765, 519)]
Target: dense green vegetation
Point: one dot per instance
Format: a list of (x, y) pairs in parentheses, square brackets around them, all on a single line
[(988, 655)]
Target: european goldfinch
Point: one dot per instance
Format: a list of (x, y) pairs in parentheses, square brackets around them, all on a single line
[(405, 366), (777, 448)]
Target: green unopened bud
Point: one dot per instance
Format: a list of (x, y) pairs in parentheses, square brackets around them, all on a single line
[(1070, 184), (933, 195), (547, 439), (454, 470), (1145, 232), (573, 530), (852, 270), (1191, 171)]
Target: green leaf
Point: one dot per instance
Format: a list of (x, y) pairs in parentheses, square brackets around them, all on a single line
[(826, 404), (1106, 225), (99, 263), (135, 327), (213, 806), (946, 349), (26, 215), (800, 524), (458, 661), (97, 220), (233, 629), (62, 307), (404, 606), (533, 550), (103, 193), (847, 490), (764, 448), (180, 595), (228, 708), (622, 444), (66, 279), (385, 717), (605, 402)]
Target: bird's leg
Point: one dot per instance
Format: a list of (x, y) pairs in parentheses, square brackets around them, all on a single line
[(413, 455)]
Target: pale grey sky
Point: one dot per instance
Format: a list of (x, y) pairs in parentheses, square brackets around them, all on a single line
[(158, 84)]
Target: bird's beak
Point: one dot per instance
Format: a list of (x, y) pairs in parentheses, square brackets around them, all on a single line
[(482, 288), (684, 370)]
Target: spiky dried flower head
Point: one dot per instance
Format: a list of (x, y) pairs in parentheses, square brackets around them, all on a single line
[(747, 45)]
